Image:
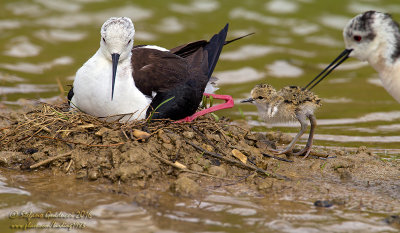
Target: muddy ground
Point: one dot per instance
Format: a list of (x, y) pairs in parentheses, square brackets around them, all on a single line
[(192, 159)]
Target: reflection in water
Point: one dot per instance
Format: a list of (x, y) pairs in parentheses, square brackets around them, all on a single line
[(195, 6), (170, 25), (37, 68), (5, 189), (57, 35), (283, 7), (27, 88), (335, 21), (377, 116), (282, 69), (21, 47), (242, 75)]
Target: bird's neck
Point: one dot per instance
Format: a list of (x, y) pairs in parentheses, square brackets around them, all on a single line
[(385, 53), (390, 77)]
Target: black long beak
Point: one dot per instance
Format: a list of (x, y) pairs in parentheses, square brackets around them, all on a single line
[(249, 100), (115, 58), (339, 60)]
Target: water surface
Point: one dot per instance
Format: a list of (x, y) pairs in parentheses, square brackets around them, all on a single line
[(42, 41)]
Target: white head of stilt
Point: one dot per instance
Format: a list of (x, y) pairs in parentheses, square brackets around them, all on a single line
[(117, 37), (375, 37), (108, 69)]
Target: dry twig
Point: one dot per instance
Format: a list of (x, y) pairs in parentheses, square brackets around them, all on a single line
[(46, 161)]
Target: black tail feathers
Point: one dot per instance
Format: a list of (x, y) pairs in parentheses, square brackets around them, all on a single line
[(214, 48)]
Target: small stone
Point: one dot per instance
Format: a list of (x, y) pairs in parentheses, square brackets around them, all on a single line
[(93, 175), (362, 149), (30, 151), (315, 166), (286, 138), (325, 203), (217, 171), (168, 146), (265, 184), (185, 186), (393, 220), (9, 157), (81, 174), (38, 156), (164, 138), (102, 131), (188, 134), (196, 168), (205, 163), (208, 147), (141, 135)]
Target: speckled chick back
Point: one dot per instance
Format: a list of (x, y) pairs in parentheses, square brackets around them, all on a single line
[(296, 96), (283, 105)]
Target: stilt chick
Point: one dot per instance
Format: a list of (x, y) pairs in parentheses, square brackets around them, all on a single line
[(288, 104)]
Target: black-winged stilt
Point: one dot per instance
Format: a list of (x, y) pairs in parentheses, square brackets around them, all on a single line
[(374, 37), (127, 82)]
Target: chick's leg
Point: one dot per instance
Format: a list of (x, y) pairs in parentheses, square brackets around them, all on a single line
[(307, 148), (303, 122)]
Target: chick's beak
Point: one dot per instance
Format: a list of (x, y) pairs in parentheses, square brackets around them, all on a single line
[(249, 100)]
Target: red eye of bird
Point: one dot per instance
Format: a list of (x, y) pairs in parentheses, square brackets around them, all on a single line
[(357, 38)]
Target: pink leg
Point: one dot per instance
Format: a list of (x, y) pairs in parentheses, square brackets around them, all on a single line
[(228, 104)]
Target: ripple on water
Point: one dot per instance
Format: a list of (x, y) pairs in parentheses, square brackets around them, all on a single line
[(337, 100), (376, 129), (350, 65), (370, 117), (195, 6), (242, 211), (21, 47), (26, 9), (335, 21), (241, 13), (242, 75), (37, 68), (28, 88), (305, 28), (282, 69), (121, 217), (143, 35), (358, 8), (58, 35), (324, 40), (340, 80), (247, 52), (170, 25), (282, 6), (4, 77), (72, 20), (5, 189), (357, 226), (9, 24), (375, 81), (60, 5)]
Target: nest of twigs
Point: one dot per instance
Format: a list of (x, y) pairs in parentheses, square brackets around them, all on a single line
[(70, 142)]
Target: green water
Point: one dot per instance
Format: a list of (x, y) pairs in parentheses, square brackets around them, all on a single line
[(45, 40)]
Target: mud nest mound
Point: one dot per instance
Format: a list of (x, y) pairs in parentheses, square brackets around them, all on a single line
[(51, 137)]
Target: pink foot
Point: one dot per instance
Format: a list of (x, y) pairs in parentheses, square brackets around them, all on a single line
[(228, 104)]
